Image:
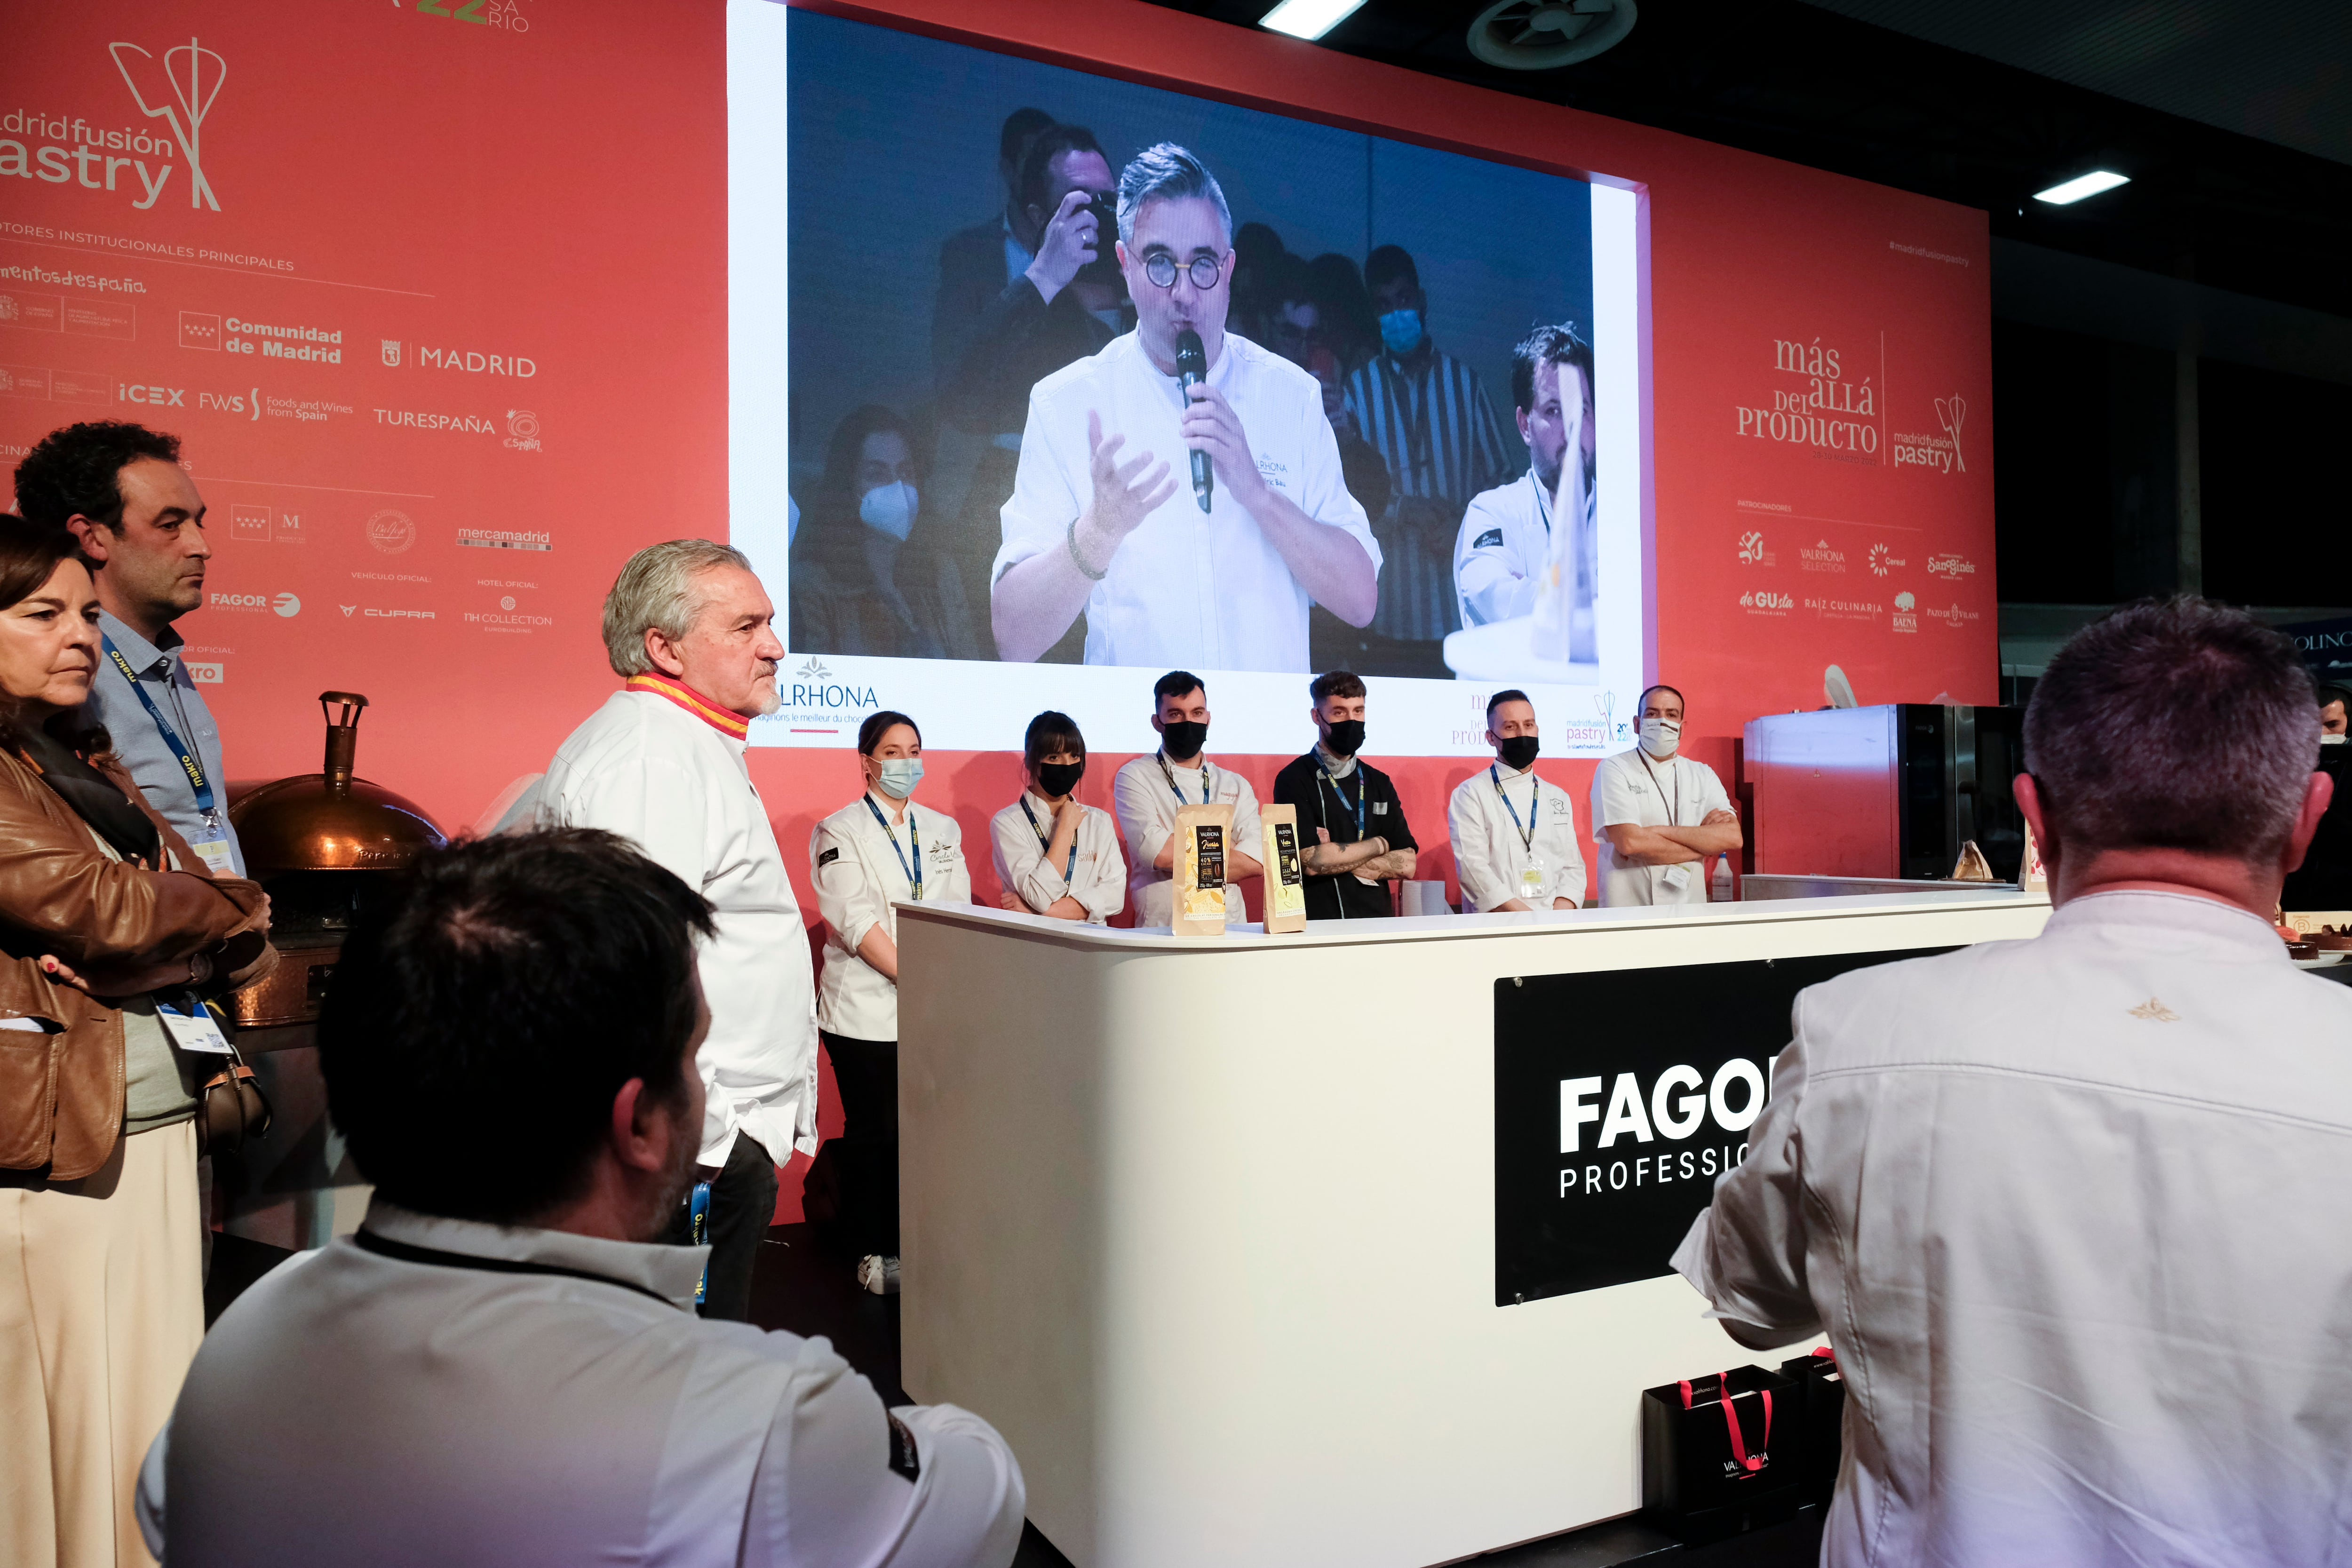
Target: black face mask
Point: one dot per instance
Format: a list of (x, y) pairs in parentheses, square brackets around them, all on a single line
[(1346, 739), (1182, 738), (1519, 751), (1058, 779)]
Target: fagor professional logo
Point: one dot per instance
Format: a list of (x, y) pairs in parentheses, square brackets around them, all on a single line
[(287, 604), (178, 90), (284, 603)]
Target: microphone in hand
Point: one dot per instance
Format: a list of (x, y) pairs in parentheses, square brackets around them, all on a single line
[(1192, 369)]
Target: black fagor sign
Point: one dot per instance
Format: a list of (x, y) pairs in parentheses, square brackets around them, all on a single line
[(1619, 1097)]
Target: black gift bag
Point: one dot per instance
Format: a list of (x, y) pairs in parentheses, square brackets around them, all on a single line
[(1719, 1454), (1822, 1396)]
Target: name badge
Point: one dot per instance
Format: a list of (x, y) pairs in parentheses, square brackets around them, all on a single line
[(1677, 877), (213, 852), (192, 1028)]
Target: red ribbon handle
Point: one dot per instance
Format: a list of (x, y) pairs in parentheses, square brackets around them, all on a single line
[(1751, 1463)]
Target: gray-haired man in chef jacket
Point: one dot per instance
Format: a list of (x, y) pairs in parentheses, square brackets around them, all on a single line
[(2073, 1210)]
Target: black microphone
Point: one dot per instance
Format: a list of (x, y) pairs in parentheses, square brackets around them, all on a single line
[(1192, 367)]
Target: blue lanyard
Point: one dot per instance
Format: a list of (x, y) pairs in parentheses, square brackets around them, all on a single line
[(1161, 758), (188, 763), (915, 872), (1044, 842), (1526, 833), (1363, 787)]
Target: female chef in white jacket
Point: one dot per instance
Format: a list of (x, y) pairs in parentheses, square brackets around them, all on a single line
[(879, 849), (1054, 855)]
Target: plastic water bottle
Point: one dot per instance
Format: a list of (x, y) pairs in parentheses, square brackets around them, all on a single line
[(1720, 887)]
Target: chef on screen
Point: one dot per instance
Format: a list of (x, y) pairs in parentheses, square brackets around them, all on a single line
[(1107, 515)]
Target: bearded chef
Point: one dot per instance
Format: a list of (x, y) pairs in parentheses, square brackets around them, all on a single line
[(1658, 817)]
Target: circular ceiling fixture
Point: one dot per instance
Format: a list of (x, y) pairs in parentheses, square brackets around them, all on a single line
[(1544, 35)]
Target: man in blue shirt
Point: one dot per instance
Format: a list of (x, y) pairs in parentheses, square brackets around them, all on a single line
[(120, 489)]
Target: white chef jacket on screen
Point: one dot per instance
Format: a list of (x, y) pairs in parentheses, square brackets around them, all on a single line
[(1098, 878), (646, 768), (2073, 1213), (1491, 848), (1503, 547), (1147, 820), (1677, 793), (380, 1412), (1184, 590), (859, 876)]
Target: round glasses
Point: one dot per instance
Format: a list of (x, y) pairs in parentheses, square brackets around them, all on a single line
[(1162, 270)]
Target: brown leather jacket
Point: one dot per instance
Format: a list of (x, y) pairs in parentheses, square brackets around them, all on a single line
[(61, 1093)]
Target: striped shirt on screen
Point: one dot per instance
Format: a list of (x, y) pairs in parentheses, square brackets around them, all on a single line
[(1442, 443)]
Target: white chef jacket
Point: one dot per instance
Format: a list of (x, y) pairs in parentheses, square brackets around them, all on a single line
[(1184, 590), (860, 869), (1503, 547), (382, 1412), (1491, 848), (1680, 794), (1147, 820), (1098, 878), (645, 768), (2073, 1213)]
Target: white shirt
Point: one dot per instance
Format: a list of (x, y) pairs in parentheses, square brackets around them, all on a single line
[(2073, 1213), (1634, 787), (1140, 793), (1098, 878), (860, 867), (377, 1412), (1492, 848), (644, 767), (1183, 590)]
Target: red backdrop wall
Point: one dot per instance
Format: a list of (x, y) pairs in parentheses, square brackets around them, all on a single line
[(499, 231)]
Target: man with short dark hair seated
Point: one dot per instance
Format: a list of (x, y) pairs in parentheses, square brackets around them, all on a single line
[(503, 1366), (2073, 1210)]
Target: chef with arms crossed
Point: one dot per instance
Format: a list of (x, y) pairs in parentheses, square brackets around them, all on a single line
[(1657, 816)]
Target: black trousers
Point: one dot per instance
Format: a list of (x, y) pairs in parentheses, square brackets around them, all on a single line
[(743, 1202), (866, 1154)]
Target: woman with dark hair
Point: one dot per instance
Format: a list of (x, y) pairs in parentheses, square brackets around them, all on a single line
[(846, 592), (1054, 855), (877, 850), (111, 929)]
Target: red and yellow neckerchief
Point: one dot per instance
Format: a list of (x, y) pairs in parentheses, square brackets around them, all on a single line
[(693, 702)]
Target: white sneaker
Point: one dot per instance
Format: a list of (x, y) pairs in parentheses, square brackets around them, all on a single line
[(879, 1274)]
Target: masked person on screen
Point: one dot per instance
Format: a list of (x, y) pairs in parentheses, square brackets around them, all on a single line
[(2323, 883), (689, 629), (1105, 518), (1425, 412), (879, 850), (1148, 790), (856, 585), (1658, 817), (1054, 855), (1349, 813), (2071, 1211), (1505, 539), (1514, 834)]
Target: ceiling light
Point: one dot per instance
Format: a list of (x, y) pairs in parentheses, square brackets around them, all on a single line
[(1309, 18), (2082, 185)]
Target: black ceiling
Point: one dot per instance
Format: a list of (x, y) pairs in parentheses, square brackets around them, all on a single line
[(1798, 81)]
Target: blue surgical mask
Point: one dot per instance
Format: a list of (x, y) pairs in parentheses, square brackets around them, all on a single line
[(1401, 330), (899, 775), (889, 509)]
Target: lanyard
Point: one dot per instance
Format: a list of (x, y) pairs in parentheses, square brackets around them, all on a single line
[(1044, 842), (188, 763), (1363, 787), (1161, 758), (914, 872), (1527, 834), (1674, 819)]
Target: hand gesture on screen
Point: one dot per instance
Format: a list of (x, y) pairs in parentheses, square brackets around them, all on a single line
[(1125, 494), (1211, 425), (1070, 240)]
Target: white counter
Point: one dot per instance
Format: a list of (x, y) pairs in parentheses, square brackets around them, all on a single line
[(1206, 1225)]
